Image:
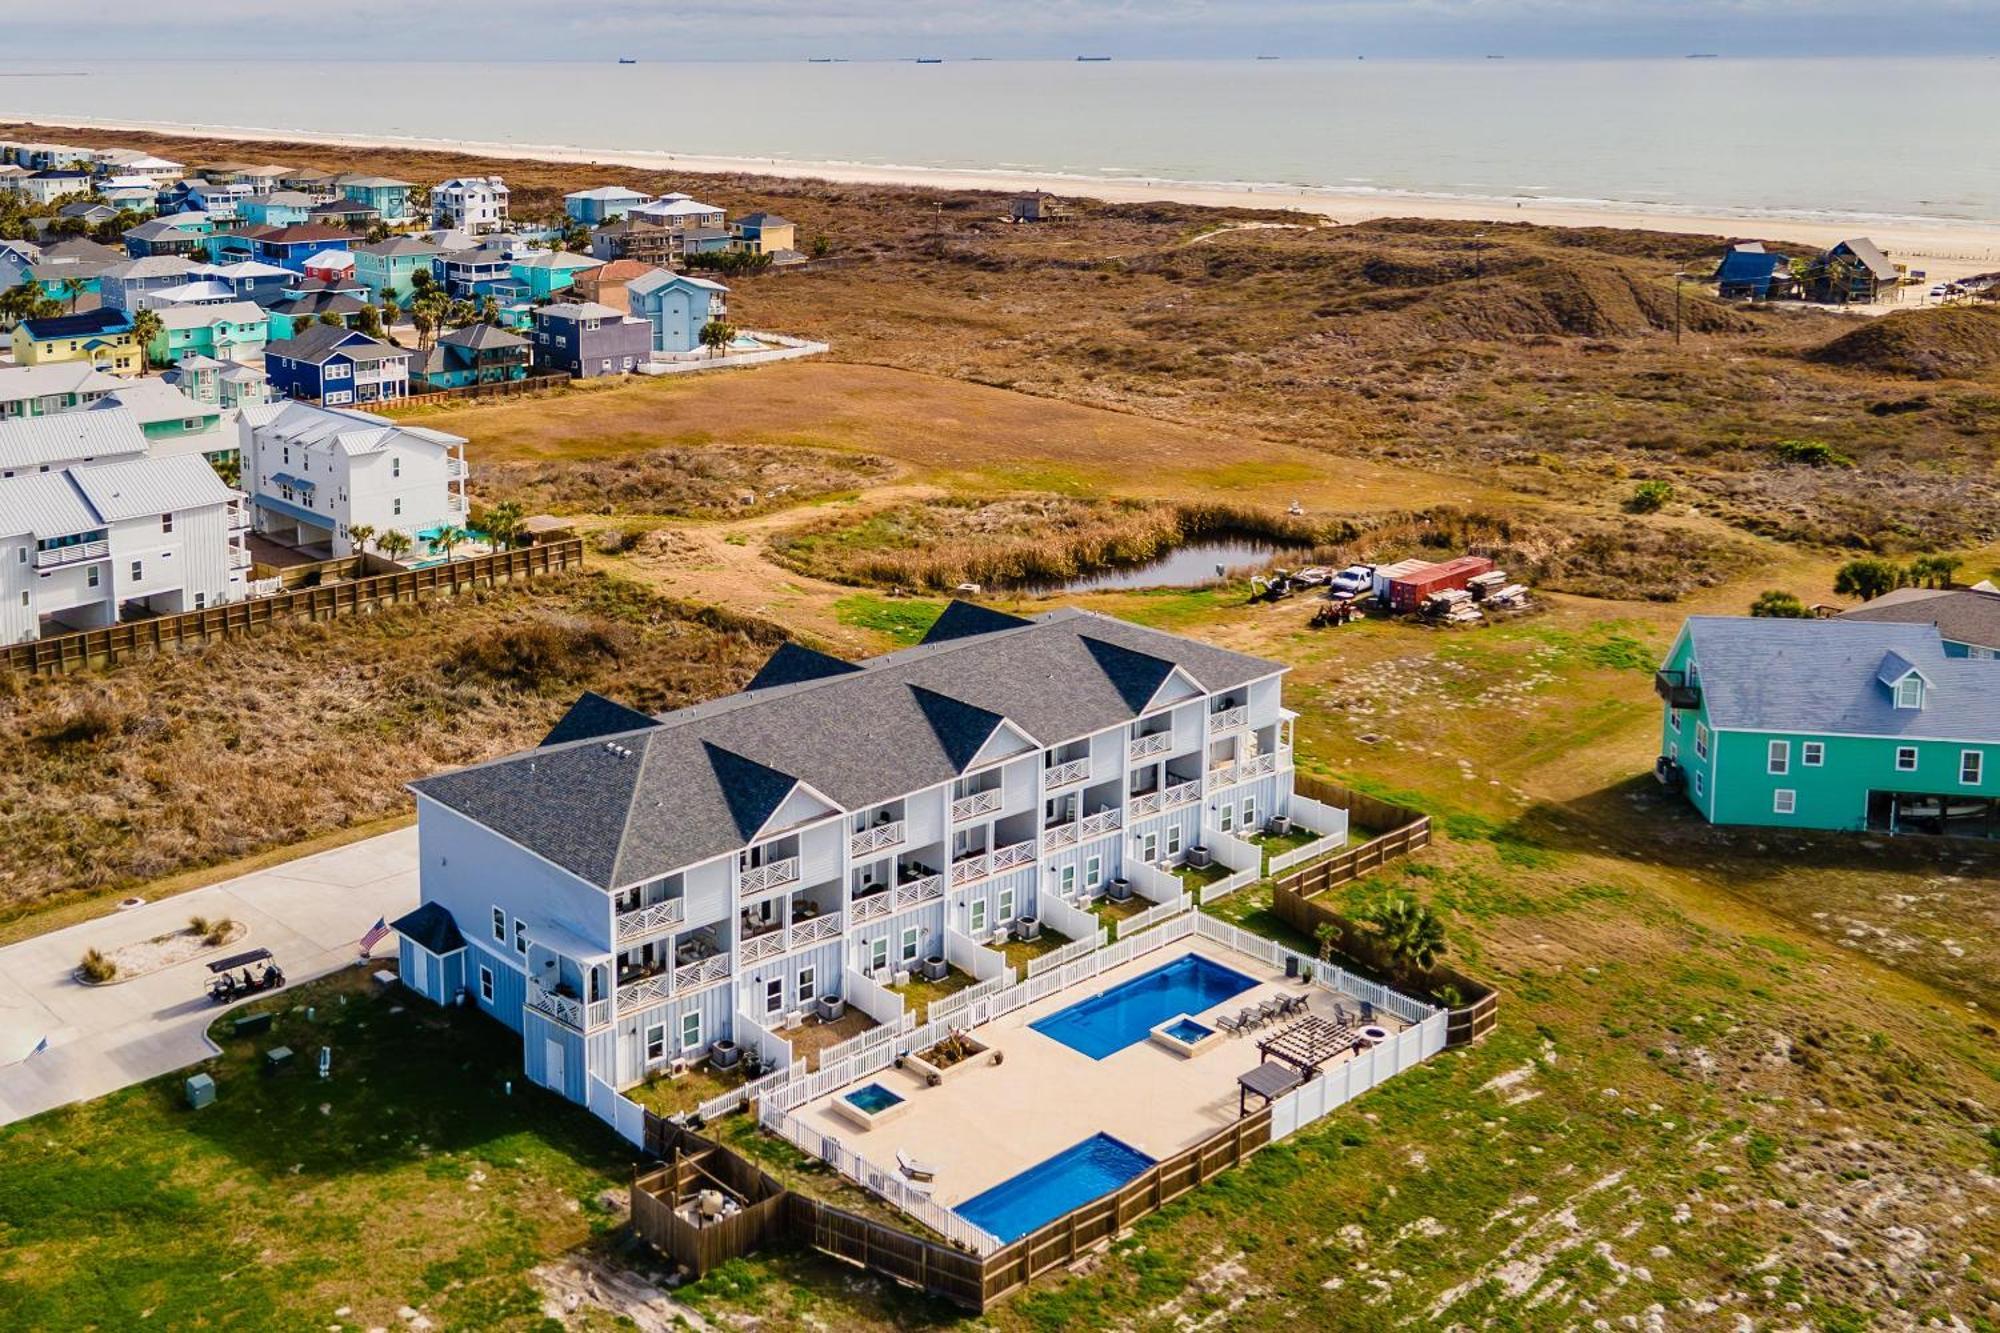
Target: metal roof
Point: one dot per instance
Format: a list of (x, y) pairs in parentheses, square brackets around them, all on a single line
[(68, 437), (44, 504), (151, 400), (54, 377), (142, 486), (200, 316)]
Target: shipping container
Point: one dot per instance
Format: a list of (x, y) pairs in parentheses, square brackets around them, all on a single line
[(1385, 574), (1407, 593)]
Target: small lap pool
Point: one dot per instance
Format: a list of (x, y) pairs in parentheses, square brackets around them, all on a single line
[(869, 1105), (1124, 1015), (1048, 1189)]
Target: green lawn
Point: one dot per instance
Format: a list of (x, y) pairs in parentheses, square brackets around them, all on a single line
[(410, 1177)]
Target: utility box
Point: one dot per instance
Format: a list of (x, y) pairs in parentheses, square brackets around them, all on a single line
[(200, 1091)]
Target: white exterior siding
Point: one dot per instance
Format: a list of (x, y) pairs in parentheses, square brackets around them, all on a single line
[(361, 469)]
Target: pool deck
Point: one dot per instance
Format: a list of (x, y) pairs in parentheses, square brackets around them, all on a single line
[(989, 1123)]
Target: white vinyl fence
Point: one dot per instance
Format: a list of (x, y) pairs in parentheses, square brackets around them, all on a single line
[(1066, 918), (1329, 975), (1069, 953), (1244, 861), (1341, 1083), (617, 1110), (1154, 915), (871, 997), (1329, 821), (969, 955)]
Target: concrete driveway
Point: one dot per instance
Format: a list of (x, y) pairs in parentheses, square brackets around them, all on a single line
[(310, 913)]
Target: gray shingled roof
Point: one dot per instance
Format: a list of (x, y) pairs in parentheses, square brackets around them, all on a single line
[(593, 716), (1963, 615), (1828, 677), (698, 783)]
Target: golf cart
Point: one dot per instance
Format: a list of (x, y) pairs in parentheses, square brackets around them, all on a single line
[(227, 985)]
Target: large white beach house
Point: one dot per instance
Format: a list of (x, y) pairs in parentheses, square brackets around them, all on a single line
[(638, 889), (315, 472)]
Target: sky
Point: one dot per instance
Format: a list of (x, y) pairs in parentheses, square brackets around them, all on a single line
[(1001, 29)]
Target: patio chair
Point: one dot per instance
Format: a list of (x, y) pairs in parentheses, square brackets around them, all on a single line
[(914, 1169), (1367, 1012), (1249, 1016), (1234, 1027), (1340, 1013), (1270, 1010)]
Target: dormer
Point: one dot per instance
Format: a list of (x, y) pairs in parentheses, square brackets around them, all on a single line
[(1907, 685)]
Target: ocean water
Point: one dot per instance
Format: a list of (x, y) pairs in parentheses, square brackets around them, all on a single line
[(1809, 138)]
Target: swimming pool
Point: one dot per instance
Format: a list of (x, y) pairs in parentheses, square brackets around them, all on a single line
[(873, 1098), (1122, 1016), (869, 1106), (1048, 1189)]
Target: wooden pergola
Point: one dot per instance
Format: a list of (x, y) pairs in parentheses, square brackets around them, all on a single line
[(1308, 1044)]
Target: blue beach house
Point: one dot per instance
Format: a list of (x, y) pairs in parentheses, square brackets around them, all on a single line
[(1749, 272), (547, 272), (390, 198), (286, 208), (677, 306), (606, 203)]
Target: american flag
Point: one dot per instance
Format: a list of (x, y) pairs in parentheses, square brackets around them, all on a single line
[(375, 935)]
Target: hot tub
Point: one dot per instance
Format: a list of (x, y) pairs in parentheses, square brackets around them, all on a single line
[(869, 1105), (1184, 1035)]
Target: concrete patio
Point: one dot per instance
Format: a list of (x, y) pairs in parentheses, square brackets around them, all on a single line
[(987, 1123)]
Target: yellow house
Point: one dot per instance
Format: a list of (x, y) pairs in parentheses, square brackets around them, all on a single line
[(765, 234), (102, 337)]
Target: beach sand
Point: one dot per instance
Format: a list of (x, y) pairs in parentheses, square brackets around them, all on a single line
[(1942, 249)]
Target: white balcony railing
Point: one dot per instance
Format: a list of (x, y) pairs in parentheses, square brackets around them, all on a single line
[(643, 921), (564, 1009), (1066, 775), (69, 555), (1260, 765), (1062, 835), (878, 838), (977, 804), (759, 879), (649, 990), (1181, 793), (239, 519), (814, 931), (771, 944), (1224, 775), (1145, 803), (1143, 747), (1014, 854), (1228, 719), (872, 908), (703, 973), (596, 1014), (1104, 821), (971, 868), (928, 889)]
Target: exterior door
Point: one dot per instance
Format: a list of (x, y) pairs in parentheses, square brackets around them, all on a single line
[(552, 1065)]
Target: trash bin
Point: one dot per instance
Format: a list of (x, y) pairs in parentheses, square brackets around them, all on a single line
[(251, 1024), (277, 1059), (200, 1091)]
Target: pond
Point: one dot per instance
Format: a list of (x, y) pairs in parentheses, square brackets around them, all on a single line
[(1183, 567)]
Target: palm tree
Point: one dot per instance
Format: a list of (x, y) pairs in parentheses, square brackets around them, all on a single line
[(359, 533), (1411, 934), (69, 289), (393, 544), (146, 326), (503, 523), (447, 537), (716, 335), (489, 310)]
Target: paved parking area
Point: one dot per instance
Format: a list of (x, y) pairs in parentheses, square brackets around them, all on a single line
[(311, 913)]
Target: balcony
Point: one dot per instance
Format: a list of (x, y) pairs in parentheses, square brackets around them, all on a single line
[(1229, 719), (817, 930), (454, 467), (1677, 689), (1097, 825), (1062, 835), (1181, 793), (775, 874), (879, 838), (971, 868), (693, 976), (977, 804), (1014, 854), (51, 556), (1145, 803), (567, 1009), (1145, 747), (653, 989), (770, 944), (873, 907), (239, 519), (239, 558), (1066, 775), (926, 889), (643, 921)]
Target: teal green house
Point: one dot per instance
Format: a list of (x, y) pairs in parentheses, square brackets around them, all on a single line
[(384, 267), (548, 272), (1831, 724)]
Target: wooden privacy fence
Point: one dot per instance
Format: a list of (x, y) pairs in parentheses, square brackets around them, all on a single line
[(1370, 811), (115, 643), (963, 1278), (1352, 864)]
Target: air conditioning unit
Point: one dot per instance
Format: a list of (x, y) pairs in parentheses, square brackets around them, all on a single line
[(794, 1018), (677, 1067), (902, 978)]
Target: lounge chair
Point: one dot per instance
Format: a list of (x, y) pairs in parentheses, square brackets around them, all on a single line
[(913, 1168), (1250, 1016), (1294, 1004), (1233, 1026), (1270, 1010)]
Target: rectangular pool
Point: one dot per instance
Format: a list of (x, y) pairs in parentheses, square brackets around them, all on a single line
[(1048, 1189), (1123, 1016)]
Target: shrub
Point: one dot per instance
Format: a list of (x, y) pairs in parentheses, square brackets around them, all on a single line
[(617, 541), (1780, 605), (198, 925), (1648, 497), (95, 967), (1867, 578), (1812, 453), (93, 722), (217, 931), (541, 651)]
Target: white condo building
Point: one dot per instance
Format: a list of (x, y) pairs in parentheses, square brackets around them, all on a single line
[(472, 204), (313, 473), (638, 889), (83, 545)]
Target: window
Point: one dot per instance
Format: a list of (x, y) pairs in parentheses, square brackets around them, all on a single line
[(1674, 718), (1066, 881), (1783, 801), (1225, 818), (690, 1029), (1093, 872), (808, 985), (1004, 907), (138, 570), (166, 523), (1980, 651), (92, 577), (520, 937), (396, 506), (395, 465), (1812, 753), (1778, 757), (978, 918), (1149, 847), (499, 925), (486, 983), (1906, 758), (909, 944), (1173, 840), (1910, 691), (1701, 740), (200, 601), (1969, 766), (1250, 812), (656, 1043), (774, 995), (1697, 782), (878, 954)]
